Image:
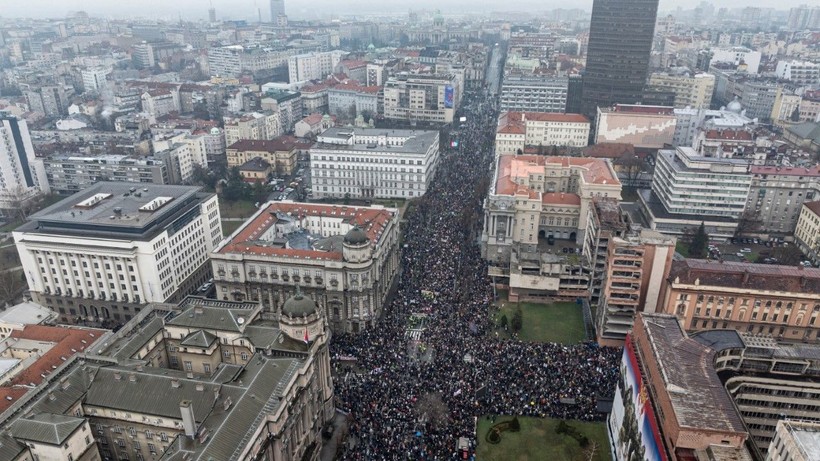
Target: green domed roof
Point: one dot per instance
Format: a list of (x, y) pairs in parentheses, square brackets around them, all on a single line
[(298, 305), (356, 236)]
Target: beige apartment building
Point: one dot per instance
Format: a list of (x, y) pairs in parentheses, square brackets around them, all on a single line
[(781, 301), (516, 130), (795, 440), (693, 91), (807, 231)]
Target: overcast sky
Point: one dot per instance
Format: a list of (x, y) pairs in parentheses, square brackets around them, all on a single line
[(246, 9)]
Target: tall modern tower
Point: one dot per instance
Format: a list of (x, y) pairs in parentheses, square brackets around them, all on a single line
[(22, 175), (277, 7), (620, 42)]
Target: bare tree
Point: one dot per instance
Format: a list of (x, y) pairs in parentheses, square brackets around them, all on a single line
[(631, 167), (432, 409), (12, 281), (748, 223)]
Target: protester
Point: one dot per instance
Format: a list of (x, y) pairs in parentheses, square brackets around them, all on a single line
[(444, 276)]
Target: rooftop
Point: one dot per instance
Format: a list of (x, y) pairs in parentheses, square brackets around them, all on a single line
[(26, 313), (640, 109), (513, 173), (813, 206), (282, 143), (806, 436), (119, 210), (746, 275), (361, 140), (516, 122), (257, 236), (786, 171), (686, 368)]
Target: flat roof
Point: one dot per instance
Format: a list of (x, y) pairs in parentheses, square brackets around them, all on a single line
[(806, 436), (686, 367), (512, 167), (116, 210), (415, 141), (26, 313), (794, 279)]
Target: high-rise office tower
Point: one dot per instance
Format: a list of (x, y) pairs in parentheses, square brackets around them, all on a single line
[(212, 14), (277, 7), (620, 41)]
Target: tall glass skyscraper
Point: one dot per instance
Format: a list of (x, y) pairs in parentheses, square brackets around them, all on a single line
[(620, 42), (277, 7)]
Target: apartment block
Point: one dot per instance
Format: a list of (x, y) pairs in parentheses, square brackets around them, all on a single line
[(22, 174), (776, 198), (101, 254), (313, 66), (256, 126), (802, 73), (422, 98), (807, 231), (694, 91), (69, 174), (795, 440)]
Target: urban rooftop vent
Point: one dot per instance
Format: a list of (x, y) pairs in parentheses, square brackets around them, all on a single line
[(156, 204), (92, 201)]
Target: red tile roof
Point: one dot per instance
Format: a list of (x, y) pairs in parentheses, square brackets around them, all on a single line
[(752, 276), (786, 171), (68, 341), (813, 206), (372, 220), (730, 135)]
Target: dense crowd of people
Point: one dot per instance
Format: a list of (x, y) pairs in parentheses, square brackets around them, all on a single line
[(471, 373)]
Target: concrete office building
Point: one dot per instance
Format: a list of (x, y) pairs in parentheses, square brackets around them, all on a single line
[(688, 189), (373, 163), (737, 55), (277, 9), (802, 73), (69, 174), (344, 257), (618, 50), (518, 130), (94, 78), (257, 126), (422, 98), (103, 253), (22, 174), (782, 301), (534, 94)]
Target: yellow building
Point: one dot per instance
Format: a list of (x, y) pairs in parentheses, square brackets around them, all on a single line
[(280, 153)]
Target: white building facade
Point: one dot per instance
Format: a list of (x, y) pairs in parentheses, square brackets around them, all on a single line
[(102, 253), (373, 163), (22, 175)]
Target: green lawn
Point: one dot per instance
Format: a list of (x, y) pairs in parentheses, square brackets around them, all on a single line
[(229, 226), (559, 322), (682, 248), (11, 226), (237, 209), (538, 441)]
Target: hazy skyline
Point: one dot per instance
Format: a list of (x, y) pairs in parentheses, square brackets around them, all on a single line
[(247, 9)]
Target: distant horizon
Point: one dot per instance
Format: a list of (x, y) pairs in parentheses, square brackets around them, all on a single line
[(194, 10)]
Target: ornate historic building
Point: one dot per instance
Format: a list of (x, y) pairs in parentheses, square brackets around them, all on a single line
[(344, 257)]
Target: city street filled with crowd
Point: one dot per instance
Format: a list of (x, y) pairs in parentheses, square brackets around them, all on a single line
[(471, 373)]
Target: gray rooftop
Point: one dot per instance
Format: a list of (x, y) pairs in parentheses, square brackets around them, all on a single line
[(116, 210), (807, 437), (213, 318), (415, 142), (46, 428)]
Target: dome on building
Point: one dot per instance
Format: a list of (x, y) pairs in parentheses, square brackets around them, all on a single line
[(356, 236), (298, 305), (371, 47), (735, 107)]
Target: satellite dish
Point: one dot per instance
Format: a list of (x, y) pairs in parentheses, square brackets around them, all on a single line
[(240, 320)]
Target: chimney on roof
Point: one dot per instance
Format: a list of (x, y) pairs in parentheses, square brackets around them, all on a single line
[(117, 376), (132, 377), (186, 409), (175, 383), (746, 275)]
